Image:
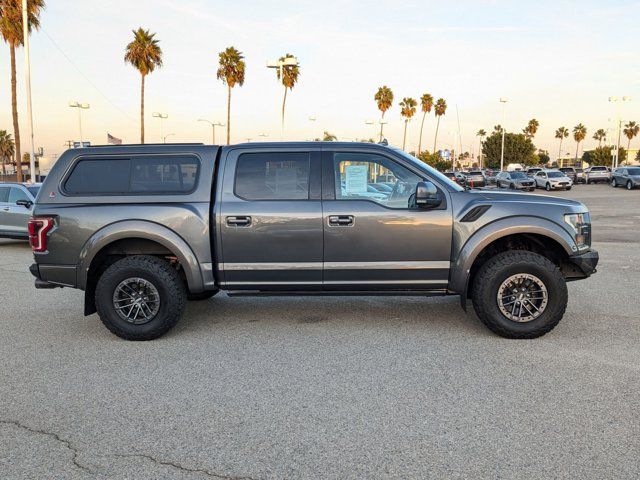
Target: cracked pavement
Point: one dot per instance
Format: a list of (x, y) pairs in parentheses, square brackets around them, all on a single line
[(364, 387)]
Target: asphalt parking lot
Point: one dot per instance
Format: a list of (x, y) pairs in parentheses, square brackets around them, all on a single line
[(328, 387)]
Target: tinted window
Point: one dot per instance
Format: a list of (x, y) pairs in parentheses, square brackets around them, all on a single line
[(16, 194), (4, 194), (136, 175), (556, 174), (99, 176), (633, 171), (357, 173), (598, 169), (273, 176), (518, 175), (163, 174), (34, 190)]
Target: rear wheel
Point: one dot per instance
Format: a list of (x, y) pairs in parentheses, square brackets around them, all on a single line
[(140, 297), (519, 294)]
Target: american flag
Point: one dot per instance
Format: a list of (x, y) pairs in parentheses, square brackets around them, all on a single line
[(111, 140)]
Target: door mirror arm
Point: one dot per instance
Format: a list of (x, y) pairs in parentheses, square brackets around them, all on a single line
[(24, 203)]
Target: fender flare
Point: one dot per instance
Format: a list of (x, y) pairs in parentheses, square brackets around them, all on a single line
[(146, 230), (461, 265)]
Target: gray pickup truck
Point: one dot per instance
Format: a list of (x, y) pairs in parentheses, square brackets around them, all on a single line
[(142, 229)]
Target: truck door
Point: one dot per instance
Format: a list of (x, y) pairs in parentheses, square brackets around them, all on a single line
[(373, 238), (270, 219)]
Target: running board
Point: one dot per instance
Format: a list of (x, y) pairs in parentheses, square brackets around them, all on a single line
[(338, 293)]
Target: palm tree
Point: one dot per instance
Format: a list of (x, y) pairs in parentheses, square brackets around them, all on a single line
[(531, 128), (329, 137), (12, 33), (631, 129), (144, 53), (440, 109), (288, 75), (426, 103), (600, 135), (231, 71), (408, 109), (561, 133), (7, 149), (384, 99), (481, 134), (579, 134), (497, 129)]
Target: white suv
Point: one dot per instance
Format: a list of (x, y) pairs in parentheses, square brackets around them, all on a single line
[(597, 174), (552, 180)]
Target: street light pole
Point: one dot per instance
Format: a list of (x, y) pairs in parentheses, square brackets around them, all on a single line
[(164, 139), (80, 107), (213, 124), (162, 117), (504, 116), (616, 159)]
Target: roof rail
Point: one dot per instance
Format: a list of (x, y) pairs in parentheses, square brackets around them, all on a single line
[(148, 144)]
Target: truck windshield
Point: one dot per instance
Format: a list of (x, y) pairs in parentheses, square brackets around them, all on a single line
[(441, 177)]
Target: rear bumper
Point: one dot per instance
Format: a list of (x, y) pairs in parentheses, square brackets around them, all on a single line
[(586, 262), (45, 282)]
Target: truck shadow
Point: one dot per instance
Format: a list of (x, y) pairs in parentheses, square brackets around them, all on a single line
[(435, 313)]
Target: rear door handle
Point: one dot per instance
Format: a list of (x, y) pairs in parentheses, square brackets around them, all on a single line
[(240, 221), (341, 220)]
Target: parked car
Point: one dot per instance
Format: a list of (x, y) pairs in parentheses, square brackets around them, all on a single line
[(475, 178), (142, 229), (531, 171), (551, 179), (515, 181), (581, 177), (451, 176), (16, 202), (570, 172), (628, 177), (597, 174), (461, 178), (490, 175)]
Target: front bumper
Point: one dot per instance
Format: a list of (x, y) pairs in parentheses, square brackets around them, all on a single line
[(586, 262)]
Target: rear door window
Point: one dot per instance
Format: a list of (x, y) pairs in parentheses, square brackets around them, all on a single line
[(273, 176), (4, 194)]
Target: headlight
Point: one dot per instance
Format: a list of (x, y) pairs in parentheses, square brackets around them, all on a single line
[(581, 225)]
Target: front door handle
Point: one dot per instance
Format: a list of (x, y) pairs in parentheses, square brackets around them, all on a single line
[(341, 220), (240, 221), (6, 209)]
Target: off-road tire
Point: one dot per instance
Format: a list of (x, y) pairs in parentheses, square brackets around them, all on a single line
[(165, 279), (502, 266), (206, 295)]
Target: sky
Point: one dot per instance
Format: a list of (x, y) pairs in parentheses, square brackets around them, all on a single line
[(555, 61)]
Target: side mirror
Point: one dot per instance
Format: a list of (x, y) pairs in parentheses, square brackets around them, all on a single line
[(25, 203), (427, 195)]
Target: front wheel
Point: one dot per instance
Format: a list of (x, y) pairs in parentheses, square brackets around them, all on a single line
[(519, 294), (140, 297), (629, 185), (614, 184), (568, 188), (547, 187)]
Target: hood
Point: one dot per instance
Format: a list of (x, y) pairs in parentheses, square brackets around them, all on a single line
[(517, 197)]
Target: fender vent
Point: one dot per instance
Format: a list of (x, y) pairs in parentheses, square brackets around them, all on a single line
[(475, 213)]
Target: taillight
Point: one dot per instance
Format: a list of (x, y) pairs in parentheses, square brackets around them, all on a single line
[(38, 229)]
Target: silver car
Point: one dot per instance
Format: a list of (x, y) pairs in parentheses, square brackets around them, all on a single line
[(552, 180), (628, 177), (16, 200), (597, 173)]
